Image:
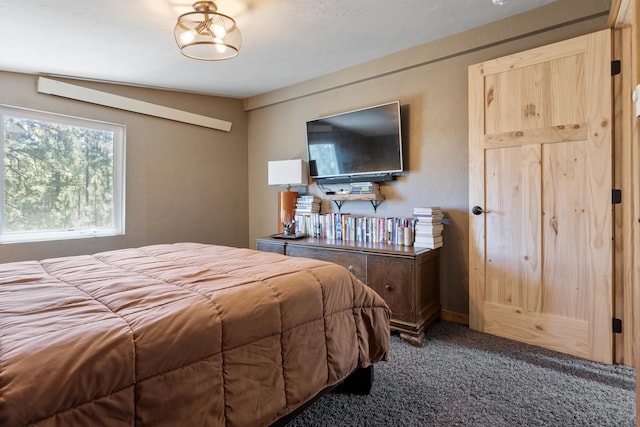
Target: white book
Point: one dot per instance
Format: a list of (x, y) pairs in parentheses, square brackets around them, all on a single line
[(427, 210), (428, 245)]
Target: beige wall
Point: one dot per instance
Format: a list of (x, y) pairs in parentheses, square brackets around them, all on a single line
[(184, 182), (430, 82)]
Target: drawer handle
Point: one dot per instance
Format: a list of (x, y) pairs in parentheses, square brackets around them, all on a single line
[(351, 269), (388, 288)]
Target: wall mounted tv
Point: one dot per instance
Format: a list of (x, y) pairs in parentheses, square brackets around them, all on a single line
[(359, 145)]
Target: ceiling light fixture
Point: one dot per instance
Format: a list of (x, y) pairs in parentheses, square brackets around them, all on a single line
[(206, 34)]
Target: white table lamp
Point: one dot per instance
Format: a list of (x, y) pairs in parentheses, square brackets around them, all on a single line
[(287, 173)]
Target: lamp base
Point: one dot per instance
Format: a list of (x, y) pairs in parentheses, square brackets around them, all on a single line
[(286, 211)]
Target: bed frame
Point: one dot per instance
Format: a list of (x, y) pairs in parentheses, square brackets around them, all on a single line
[(359, 381)]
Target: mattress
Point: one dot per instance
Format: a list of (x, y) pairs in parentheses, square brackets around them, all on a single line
[(180, 334)]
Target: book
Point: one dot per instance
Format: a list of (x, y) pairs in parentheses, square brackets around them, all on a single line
[(429, 218), (428, 242), (427, 210), (365, 184), (427, 235), (308, 198), (424, 239), (364, 188), (431, 229), (307, 205), (421, 214), (428, 245)]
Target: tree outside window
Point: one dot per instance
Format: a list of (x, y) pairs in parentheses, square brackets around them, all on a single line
[(62, 177)]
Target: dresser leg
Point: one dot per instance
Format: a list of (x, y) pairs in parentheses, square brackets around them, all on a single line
[(415, 340)]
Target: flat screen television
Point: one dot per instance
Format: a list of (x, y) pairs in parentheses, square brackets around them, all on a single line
[(356, 145)]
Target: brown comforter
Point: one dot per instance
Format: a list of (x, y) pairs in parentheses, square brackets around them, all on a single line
[(178, 335)]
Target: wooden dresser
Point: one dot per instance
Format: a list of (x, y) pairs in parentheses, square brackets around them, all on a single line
[(406, 277)]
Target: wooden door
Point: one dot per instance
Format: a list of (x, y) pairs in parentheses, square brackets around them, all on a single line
[(540, 161)]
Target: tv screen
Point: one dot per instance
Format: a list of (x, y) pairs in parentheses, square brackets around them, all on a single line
[(356, 143)]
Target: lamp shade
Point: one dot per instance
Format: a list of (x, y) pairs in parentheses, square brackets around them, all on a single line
[(287, 172)]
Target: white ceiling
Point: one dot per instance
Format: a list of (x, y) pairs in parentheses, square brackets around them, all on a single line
[(284, 41)]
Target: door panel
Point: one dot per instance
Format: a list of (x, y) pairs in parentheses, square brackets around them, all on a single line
[(565, 230), (513, 228), (541, 168)]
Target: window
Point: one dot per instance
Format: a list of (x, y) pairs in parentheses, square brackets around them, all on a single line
[(325, 153), (62, 177)]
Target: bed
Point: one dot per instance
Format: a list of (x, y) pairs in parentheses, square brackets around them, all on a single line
[(180, 334)]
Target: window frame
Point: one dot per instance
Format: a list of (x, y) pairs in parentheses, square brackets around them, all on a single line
[(119, 177)]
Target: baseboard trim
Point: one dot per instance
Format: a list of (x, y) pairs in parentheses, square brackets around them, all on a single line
[(452, 316)]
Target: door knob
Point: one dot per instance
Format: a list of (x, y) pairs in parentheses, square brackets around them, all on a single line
[(477, 210)]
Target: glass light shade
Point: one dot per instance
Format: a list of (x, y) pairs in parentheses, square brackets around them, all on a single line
[(206, 34)]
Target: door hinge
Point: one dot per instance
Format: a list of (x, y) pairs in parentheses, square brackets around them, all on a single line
[(616, 67), (617, 325), (616, 196)]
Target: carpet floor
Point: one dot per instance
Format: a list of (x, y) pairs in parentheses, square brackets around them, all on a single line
[(461, 377)]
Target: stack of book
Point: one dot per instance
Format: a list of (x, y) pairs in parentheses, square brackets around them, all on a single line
[(365, 188), (307, 204), (428, 228)]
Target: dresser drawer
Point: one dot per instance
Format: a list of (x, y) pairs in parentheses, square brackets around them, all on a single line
[(270, 247), (354, 262), (392, 279)]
